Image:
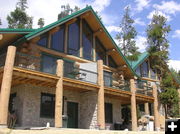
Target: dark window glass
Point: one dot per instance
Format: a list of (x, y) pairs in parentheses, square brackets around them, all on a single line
[(68, 69), (47, 105), (49, 64), (108, 113), (87, 38), (73, 39), (12, 107), (43, 41), (57, 40), (144, 69), (111, 62), (100, 51), (108, 78), (138, 71)]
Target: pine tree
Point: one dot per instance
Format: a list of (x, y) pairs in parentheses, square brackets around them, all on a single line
[(157, 32), (41, 22), (19, 18), (127, 36), (66, 10)]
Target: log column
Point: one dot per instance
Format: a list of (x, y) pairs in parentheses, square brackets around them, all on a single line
[(6, 85), (101, 111), (156, 113), (133, 105), (59, 95), (146, 105)]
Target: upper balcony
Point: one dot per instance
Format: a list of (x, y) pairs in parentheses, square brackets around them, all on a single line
[(32, 69)]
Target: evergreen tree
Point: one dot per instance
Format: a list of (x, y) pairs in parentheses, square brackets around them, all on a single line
[(0, 22), (157, 32), (41, 22), (127, 35), (19, 18), (67, 10)]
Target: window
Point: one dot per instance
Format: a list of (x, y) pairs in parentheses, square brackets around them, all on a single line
[(100, 51), (47, 105), (138, 71), (68, 69), (107, 78), (43, 40), (87, 39), (111, 62), (144, 68), (57, 40), (49, 64), (73, 39), (108, 113), (12, 107)]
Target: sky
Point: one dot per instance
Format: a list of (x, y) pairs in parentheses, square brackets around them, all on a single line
[(111, 12)]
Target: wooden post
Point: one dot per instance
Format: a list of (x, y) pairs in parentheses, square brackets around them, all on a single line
[(59, 95), (94, 47), (66, 39), (156, 113), (6, 85), (101, 111), (133, 105), (146, 107)]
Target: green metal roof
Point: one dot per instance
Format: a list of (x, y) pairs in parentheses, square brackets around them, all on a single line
[(141, 58), (67, 18), (20, 31)]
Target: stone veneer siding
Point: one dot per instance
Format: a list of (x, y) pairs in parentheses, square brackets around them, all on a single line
[(28, 106)]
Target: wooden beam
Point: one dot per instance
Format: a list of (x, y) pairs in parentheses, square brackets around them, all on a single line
[(122, 67), (97, 32), (35, 40), (71, 21), (54, 30), (110, 51), (83, 16), (80, 39), (66, 40)]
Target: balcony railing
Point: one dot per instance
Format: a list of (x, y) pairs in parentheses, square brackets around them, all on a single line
[(79, 74), (143, 88), (117, 83), (29, 62), (2, 59)]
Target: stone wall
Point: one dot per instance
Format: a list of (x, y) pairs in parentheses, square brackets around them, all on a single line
[(28, 106)]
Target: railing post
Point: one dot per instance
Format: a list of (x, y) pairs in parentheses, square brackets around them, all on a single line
[(6, 85), (101, 111), (156, 113), (59, 95), (133, 105)]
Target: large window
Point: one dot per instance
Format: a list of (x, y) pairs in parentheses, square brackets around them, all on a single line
[(111, 62), (57, 40), (49, 64), (144, 67), (108, 113), (73, 39), (47, 105), (100, 51), (87, 39), (43, 40), (138, 71)]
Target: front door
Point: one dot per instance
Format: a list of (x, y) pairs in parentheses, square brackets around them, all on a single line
[(72, 112)]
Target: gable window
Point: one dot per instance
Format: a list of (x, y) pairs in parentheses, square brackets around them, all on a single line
[(108, 113), (87, 37), (73, 39), (57, 40), (47, 105), (144, 68), (49, 64), (138, 71), (111, 62), (100, 51), (43, 41)]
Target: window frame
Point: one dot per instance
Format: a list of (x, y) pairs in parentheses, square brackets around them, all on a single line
[(46, 35)]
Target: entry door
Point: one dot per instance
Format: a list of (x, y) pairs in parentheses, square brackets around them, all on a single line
[(72, 112)]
